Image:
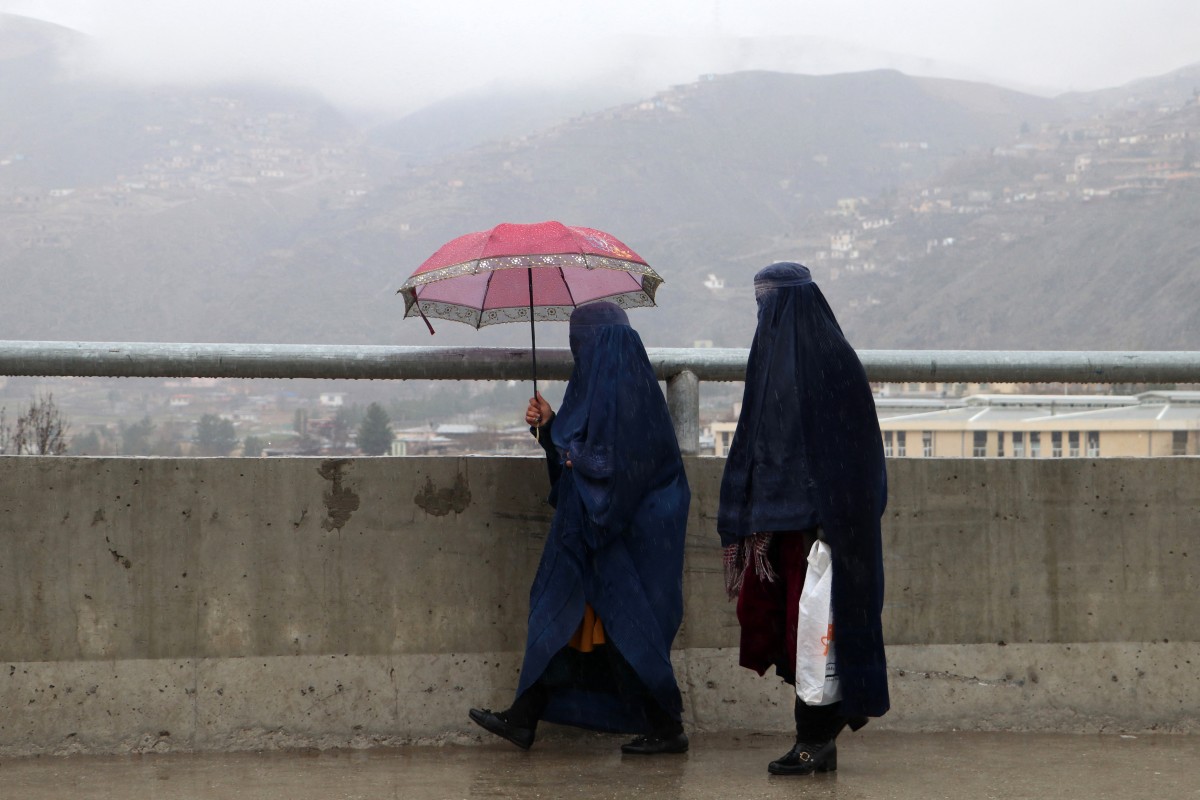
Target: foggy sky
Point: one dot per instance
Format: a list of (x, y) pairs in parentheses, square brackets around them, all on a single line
[(398, 54)]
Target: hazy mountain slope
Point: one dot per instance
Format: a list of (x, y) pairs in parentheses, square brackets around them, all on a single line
[(1102, 277), (474, 118), (249, 214), (55, 130), (700, 178), (60, 129), (1088, 244), (1173, 88)]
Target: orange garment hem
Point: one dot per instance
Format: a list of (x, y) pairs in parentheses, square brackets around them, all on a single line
[(590, 633)]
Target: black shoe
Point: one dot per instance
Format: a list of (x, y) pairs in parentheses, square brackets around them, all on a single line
[(493, 722), (652, 745), (805, 759)]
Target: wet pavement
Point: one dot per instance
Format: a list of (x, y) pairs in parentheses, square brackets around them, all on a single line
[(871, 765)]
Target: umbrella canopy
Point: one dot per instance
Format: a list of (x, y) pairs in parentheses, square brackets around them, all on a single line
[(515, 272)]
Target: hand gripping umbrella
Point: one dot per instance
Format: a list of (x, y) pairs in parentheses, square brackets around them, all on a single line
[(534, 272)]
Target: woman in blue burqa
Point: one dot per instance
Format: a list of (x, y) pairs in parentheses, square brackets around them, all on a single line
[(607, 599), (806, 462)]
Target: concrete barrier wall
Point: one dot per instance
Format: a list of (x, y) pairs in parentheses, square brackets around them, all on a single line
[(151, 604)]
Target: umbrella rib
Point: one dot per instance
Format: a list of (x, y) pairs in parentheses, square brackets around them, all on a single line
[(487, 287), (570, 294)]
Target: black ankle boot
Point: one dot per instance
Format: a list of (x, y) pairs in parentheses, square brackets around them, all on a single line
[(805, 759)]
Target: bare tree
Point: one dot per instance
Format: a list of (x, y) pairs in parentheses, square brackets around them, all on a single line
[(41, 430), (5, 432)]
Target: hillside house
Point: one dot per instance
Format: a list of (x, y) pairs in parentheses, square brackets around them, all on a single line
[(842, 242), (848, 206)]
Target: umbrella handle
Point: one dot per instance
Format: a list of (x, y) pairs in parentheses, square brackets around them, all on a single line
[(532, 332), (537, 432)]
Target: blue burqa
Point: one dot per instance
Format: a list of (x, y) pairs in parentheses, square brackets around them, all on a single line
[(617, 538), (807, 451)]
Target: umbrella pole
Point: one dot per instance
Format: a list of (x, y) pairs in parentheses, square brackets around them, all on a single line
[(533, 349)]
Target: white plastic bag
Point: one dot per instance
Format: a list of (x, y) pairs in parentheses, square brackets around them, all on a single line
[(816, 665)]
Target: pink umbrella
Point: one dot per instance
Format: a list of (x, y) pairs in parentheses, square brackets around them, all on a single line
[(514, 273)]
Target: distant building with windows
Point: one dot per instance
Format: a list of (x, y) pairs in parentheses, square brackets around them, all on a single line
[(721, 434), (1157, 423), (1161, 423)]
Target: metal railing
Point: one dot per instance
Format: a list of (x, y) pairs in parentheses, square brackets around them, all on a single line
[(682, 368)]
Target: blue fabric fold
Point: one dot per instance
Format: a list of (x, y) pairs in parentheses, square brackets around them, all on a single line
[(807, 452), (617, 537)]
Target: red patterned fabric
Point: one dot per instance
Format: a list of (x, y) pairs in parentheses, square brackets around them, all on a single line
[(768, 610), (514, 272), (541, 238)]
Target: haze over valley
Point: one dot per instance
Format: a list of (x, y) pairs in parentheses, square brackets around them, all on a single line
[(935, 212)]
